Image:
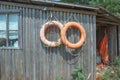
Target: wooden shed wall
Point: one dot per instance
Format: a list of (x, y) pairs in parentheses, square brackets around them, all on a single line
[(35, 61)]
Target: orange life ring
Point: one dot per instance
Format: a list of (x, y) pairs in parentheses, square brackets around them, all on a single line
[(82, 35), (42, 33)]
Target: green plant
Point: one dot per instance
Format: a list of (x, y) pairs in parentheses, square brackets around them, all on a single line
[(114, 72), (111, 5), (59, 78), (78, 74)]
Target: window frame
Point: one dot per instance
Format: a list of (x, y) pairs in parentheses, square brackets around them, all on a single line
[(8, 12)]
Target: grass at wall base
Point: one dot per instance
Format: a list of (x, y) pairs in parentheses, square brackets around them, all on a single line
[(113, 73), (77, 75)]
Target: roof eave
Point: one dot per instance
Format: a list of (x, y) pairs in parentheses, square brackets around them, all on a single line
[(66, 5), (106, 14)]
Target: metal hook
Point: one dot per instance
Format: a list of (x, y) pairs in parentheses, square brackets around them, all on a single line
[(51, 15)]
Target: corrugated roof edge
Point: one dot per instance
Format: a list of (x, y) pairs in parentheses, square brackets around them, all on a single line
[(66, 5), (55, 4), (104, 11), (76, 6)]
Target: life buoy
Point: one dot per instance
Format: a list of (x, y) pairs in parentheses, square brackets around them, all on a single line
[(82, 35), (42, 33)]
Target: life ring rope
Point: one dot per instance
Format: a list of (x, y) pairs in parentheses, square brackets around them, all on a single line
[(64, 38), (42, 33)]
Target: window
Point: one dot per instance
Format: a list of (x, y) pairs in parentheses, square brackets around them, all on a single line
[(9, 30)]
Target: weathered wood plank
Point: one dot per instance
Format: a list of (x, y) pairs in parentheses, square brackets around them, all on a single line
[(94, 47), (27, 43)]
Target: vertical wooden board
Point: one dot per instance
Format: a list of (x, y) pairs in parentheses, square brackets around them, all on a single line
[(92, 43), (2, 64), (23, 45), (40, 48), (52, 50), (112, 42), (68, 57), (27, 43), (48, 53), (48, 50), (31, 43), (8, 64), (61, 68), (54, 59), (55, 66), (50, 60), (74, 38), (81, 53), (18, 65), (43, 54), (90, 47), (71, 37), (84, 51), (1, 61), (115, 39), (119, 40), (109, 43), (115, 42), (86, 46), (77, 38), (85, 54), (65, 55), (80, 50), (36, 58), (34, 46), (39, 45), (94, 47), (12, 65), (60, 51), (20, 27)]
